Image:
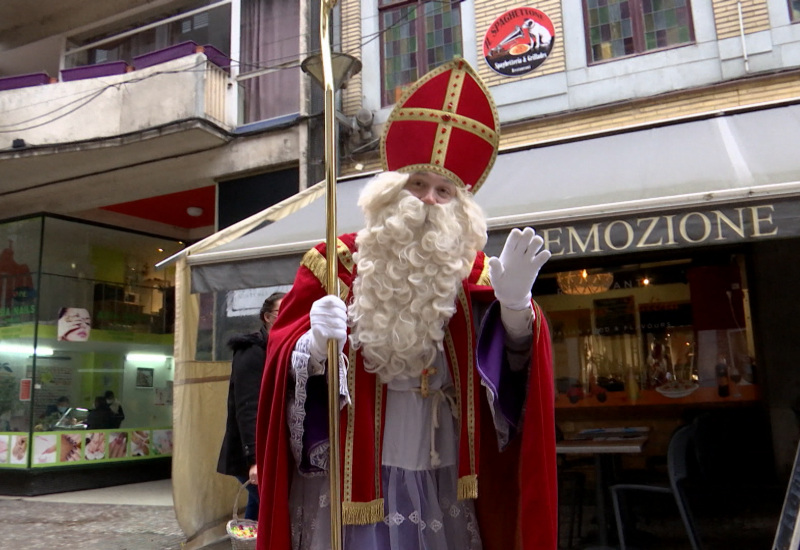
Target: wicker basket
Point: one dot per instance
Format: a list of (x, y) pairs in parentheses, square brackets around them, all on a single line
[(236, 525)]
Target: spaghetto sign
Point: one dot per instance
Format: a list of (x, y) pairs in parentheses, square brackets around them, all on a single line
[(518, 41)]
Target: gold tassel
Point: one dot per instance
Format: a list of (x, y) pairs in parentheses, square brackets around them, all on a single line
[(362, 513), (468, 487)]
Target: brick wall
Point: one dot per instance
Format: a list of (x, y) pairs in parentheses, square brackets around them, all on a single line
[(726, 15), (351, 43), (663, 107)]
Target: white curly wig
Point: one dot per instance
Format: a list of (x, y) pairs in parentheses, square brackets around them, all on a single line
[(411, 260)]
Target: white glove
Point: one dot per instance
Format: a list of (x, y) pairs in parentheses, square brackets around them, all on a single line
[(328, 321), (514, 272)]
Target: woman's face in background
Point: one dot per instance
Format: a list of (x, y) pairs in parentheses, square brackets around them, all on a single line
[(74, 325), (270, 316)]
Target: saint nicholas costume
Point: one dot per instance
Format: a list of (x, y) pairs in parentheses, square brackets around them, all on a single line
[(460, 457)]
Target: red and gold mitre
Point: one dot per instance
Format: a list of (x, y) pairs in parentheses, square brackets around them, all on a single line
[(447, 123)]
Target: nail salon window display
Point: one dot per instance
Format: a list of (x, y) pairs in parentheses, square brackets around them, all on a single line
[(78, 438), (15, 441)]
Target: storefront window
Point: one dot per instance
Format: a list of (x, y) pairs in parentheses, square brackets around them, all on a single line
[(227, 314), (86, 356), (20, 242), (665, 333)]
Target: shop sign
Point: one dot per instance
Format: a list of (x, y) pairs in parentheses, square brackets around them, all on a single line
[(701, 227), (518, 41), (16, 314), (25, 389)]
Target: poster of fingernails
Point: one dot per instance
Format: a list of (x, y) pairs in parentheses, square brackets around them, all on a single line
[(71, 447), (44, 449), (117, 445), (162, 442), (4, 449), (95, 448), (55, 449), (19, 449)]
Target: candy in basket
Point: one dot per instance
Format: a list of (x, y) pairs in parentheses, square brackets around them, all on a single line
[(242, 532)]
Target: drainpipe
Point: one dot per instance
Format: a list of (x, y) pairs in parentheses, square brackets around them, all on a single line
[(741, 35)]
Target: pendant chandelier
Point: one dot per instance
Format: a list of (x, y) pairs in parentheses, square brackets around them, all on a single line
[(582, 282)]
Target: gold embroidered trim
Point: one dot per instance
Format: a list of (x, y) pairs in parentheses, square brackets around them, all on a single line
[(468, 487), (537, 313), (451, 352), (483, 278), (345, 255), (447, 119), (441, 170), (318, 265), (351, 423), (470, 397), (364, 513), (377, 434)]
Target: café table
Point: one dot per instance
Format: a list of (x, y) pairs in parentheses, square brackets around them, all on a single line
[(604, 444)]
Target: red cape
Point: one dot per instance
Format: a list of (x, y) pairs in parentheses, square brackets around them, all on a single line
[(517, 511)]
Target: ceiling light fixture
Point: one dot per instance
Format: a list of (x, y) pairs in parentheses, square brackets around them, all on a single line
[(582, 282), (25, 350), (145, 358), (194, 211)]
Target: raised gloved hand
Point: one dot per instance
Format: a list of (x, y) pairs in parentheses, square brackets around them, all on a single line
[(328, 320), (514, 272)]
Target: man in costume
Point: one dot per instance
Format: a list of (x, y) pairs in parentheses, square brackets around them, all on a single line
[(447, 430)]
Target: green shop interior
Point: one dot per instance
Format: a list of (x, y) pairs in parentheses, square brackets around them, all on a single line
[(83, 313)]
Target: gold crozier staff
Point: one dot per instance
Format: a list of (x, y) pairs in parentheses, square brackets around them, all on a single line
[(326, 7)]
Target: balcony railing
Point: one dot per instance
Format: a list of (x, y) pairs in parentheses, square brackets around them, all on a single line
[(187, 88)]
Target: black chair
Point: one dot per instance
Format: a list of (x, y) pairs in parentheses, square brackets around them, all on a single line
[(678, 455), (570, 494), (571, 488)]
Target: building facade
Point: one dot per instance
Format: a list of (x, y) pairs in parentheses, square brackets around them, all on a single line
[(649, 141), (129, 130)]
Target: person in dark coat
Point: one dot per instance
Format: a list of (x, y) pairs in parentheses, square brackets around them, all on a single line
[(116, 408), (238, 454), (100, 417)]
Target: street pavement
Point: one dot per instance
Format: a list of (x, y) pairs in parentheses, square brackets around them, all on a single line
[(128, 517)]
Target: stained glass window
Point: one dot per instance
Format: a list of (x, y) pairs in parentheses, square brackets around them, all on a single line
[(618, 28), (416, 36), (794, 10)]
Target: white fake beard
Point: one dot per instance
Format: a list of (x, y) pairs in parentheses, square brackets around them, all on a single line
[(411, 260)]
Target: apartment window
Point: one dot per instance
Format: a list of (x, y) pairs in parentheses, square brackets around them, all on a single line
[(416, 36), (619, 28), (270, 47), (794, 10)]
